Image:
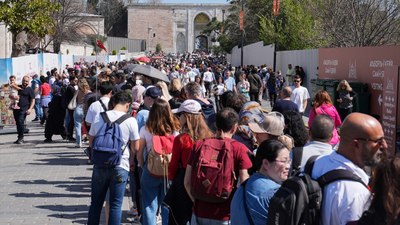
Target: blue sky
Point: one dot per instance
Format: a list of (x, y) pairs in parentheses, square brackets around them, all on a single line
[(195, 1)]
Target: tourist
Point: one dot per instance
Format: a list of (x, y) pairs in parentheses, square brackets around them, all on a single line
[(272, 163), (299, 95), (323, 105), (161, 122), (346, 95)]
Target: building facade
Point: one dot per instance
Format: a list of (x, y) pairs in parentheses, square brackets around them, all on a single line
[(176, 27)]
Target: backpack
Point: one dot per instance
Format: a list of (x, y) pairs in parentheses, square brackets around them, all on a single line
[(298, 200), (213, 174), (296, 161), (107, 144), (207, 111), (159, 156)]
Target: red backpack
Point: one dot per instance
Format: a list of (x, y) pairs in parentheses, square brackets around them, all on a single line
[(213, 175)]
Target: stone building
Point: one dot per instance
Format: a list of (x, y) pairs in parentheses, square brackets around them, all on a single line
[(176, 27)]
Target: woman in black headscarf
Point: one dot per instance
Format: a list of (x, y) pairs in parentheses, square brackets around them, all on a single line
[(56, 114)]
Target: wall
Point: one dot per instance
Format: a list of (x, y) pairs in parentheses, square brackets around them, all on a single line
[(254, 54), (308, 59), (159, 20), (132, 45), (5, 42)]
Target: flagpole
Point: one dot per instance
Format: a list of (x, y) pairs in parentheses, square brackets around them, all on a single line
[(97, 74)]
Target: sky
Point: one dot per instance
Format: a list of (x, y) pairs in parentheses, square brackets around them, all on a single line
[(195, 1)]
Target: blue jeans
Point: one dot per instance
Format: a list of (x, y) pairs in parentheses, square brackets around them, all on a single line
[(205, 221), (38, 109), (153, 193), (103, 178), (78, 118)]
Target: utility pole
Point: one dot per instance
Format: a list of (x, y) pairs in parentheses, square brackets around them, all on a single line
[(241, 32)]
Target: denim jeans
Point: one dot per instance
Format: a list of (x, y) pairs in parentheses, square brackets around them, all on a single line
[(19, 117), (153, 193), (78, 118), (38, 109), (103, 178), (205, 221)]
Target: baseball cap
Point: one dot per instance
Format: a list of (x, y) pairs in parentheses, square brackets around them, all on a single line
[(273, 123), (189, 106), (153, 92)]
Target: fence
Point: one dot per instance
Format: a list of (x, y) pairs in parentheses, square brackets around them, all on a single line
[(41, 63)]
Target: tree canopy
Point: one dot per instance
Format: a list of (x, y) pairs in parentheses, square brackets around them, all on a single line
[(34, 16)]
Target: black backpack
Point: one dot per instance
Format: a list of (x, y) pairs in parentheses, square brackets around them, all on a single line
[(298, 200)]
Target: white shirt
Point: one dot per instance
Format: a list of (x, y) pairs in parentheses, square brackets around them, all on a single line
[(298, 96), (93, 113), (129, 129), (314, 148), (208, 76), (343, 201)]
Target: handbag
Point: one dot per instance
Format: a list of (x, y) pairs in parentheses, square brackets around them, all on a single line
[(72, 103)]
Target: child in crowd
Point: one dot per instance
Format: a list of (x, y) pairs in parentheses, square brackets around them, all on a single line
[(14, 92)]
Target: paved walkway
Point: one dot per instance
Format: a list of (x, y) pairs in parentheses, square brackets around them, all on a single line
[(43, 183)]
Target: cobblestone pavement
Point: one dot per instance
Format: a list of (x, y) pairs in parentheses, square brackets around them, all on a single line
[(44, 183)]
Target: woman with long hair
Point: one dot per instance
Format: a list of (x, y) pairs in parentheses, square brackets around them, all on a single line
[(161, 122), (83, 89), (346, 95), (385, 206), (323, 105), (243, 86), (193, 128), (295, 128)]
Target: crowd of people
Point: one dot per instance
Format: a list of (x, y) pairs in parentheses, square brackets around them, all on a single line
[(78, 101)]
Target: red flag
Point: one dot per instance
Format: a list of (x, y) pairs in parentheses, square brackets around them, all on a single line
[(241, 16), (100, 44), (275, 7)]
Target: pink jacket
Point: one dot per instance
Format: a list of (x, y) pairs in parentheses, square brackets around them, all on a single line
[(331, 111)]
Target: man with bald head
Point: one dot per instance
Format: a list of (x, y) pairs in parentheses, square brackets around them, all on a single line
[(362, 143), (26, 103)]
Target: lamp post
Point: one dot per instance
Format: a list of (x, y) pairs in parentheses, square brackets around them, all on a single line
[(241, 33)]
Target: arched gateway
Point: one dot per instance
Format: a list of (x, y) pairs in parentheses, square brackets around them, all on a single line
[(176, 27)]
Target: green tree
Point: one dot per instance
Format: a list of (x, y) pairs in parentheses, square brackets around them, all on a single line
[(22, 17), (292, 29), (158, 48)]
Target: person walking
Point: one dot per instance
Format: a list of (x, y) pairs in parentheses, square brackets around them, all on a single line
[(83, 89), (299, 95), (26, 104)]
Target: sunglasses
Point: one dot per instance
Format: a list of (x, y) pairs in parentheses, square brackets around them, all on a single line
[(297, 81)]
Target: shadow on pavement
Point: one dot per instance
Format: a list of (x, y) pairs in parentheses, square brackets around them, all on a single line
[(77, 213)]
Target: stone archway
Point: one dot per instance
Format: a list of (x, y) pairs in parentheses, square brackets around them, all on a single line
[(180, 43), (201, 41)]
